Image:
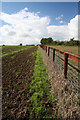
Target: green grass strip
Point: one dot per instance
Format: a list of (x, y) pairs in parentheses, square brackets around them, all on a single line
[(40, 90)]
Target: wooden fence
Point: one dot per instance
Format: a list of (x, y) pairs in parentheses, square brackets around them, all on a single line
[(66, 57)]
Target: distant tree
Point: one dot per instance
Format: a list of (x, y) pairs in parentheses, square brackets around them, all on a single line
[(3, 45), (32, 45), (45, 41), (49, 41), (20, 44), (72, 39)]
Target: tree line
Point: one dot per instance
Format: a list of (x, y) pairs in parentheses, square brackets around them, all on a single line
[(50, 41)]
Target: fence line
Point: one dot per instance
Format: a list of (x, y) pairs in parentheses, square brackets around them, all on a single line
[(66, 55)]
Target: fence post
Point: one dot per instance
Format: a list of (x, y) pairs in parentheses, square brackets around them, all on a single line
[(45, 48), (65, 64), (48, 50), (53, 54)]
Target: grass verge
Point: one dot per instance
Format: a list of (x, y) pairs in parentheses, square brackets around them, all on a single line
[(41, 99)]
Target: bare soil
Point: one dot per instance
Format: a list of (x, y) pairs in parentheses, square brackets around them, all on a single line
[(17, 70)]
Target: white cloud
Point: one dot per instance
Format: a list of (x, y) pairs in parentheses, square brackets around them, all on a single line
[(59, 32), (38, 12), (28, 28), (60, 17), (61, 21), (65, 32), (25, 8), (25, 27), (73, 27), (79, 27)]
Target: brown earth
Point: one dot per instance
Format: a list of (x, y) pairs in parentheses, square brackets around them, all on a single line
[(68, 100), (17, 70)]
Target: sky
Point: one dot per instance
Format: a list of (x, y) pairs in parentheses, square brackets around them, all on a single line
[(29, 22)]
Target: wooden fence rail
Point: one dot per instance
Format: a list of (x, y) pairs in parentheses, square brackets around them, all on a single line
[(66, 56)]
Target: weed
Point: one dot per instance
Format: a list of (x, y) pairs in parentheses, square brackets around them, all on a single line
[(51, 98), (17, 73), (4, 103), (27, 61), (55, 113), (57, 106), (64, 101), (33, 53)]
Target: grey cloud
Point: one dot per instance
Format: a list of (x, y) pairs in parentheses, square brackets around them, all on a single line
[(25, 35), (30, 30), (12, 33)]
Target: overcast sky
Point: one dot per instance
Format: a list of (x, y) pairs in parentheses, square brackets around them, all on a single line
[(27, 23)]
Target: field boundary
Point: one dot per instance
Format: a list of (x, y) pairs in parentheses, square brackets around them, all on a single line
[(65, 60)]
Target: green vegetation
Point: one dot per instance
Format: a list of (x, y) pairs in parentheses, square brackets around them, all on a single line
[(49, 41), (46, 41), (41, 98), (20, 44), (7, 50), (33, 54)]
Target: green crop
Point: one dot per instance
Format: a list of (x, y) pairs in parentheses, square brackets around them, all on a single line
[(33, 53), (40, 90)]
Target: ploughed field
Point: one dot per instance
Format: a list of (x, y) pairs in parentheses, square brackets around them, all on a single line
[(25, 85), (7, 50), (17, 69)]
